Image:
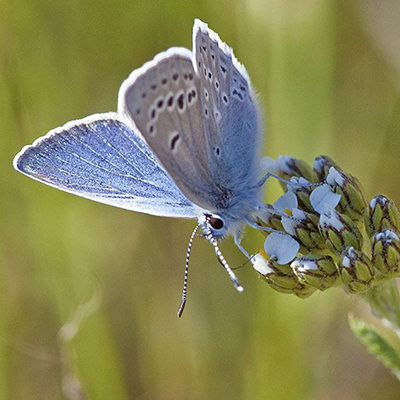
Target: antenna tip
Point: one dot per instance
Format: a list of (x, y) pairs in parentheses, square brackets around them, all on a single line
[(181, 307)]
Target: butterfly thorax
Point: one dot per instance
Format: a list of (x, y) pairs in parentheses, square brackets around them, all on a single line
[(233, 209)]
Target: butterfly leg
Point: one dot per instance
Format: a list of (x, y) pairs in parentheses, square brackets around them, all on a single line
[(261, 228), (238, 240), (285, 181)]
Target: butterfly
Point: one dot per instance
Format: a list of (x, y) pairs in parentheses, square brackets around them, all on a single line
[(184, 143)]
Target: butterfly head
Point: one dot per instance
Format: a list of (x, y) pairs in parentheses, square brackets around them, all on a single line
[(215, 225)]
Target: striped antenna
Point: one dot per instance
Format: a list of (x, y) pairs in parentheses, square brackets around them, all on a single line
[(208, 235), (185, 279)]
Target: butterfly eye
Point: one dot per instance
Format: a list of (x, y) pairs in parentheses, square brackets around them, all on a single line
[(216, 223)]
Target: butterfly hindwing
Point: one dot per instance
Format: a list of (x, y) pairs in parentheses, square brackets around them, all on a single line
[(232, 125)]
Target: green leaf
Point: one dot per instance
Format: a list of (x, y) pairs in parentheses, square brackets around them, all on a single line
[(376, 345)]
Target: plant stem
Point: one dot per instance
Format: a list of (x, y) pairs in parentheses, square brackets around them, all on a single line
[(384, 300)]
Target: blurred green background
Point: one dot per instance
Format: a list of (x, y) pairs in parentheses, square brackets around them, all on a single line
[(89, 292)]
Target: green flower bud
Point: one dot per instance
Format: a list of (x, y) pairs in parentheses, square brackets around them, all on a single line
[(322, 165), (271, 218), (280, 277), (352, 201), (339, 231), (290, 167), (381, 214), (386, 252), (317, 271), (356, 270), (304, 290), (304, 228)]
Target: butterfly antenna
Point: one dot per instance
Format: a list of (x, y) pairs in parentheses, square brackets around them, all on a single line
[(222, 260), (185, 279)]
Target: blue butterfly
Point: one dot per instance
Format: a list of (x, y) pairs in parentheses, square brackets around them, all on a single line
[(185, 143)]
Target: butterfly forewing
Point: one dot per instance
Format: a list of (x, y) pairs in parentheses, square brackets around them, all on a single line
[(102, 159), (230, 112), (162, 99)]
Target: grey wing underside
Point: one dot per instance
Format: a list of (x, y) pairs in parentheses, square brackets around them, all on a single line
[(102, 159), (234, 127), (208, 139)]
